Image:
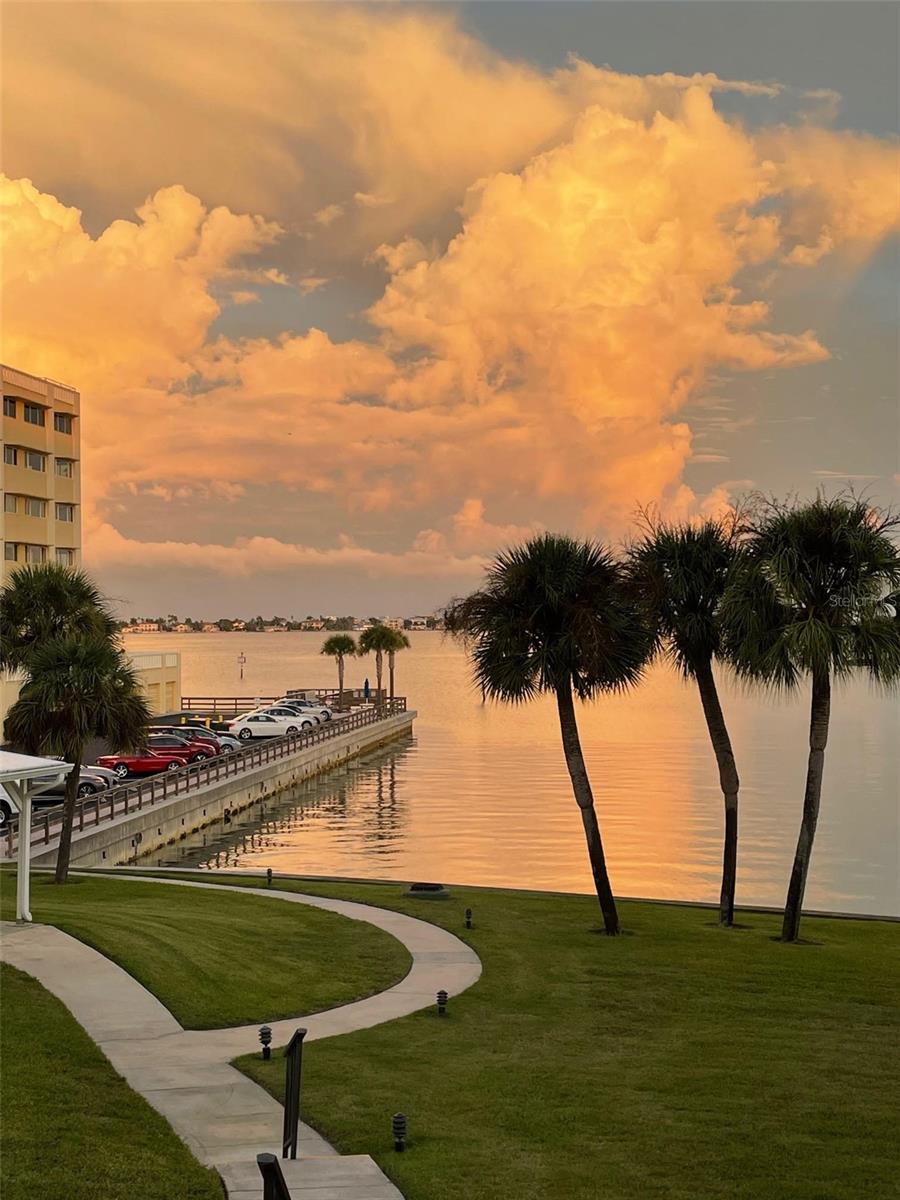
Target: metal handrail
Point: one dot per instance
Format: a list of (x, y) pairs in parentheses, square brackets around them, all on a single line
[(132, 797), (274, 1185)]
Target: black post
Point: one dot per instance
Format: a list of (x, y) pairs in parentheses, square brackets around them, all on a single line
[(274, 1186), (293, 1052)]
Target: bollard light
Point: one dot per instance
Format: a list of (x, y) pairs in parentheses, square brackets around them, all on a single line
[(442, 1003), (468, 918), (398, 1125), (265, 1037), (269, 877)]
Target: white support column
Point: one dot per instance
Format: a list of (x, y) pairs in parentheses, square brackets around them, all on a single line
[(22, 796)]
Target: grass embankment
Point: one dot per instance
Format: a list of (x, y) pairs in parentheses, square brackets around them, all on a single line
[(216, 958), (72, 1128), (678, 1061)]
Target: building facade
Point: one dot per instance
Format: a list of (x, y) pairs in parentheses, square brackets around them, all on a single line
[(41, 484), (40, 519)]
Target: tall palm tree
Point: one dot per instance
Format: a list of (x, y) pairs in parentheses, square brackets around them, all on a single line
[(556, 615), (380, 640), (681, 572), (78, 687), (47, 601), (339, 646), (813, 597), (401, 642)]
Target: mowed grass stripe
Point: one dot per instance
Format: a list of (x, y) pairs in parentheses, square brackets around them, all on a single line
[(218, 959)]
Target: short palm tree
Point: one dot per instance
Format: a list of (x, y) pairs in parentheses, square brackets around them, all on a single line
[(339, 646), (556, 615), (47, 601), (401, 642), (380, 640), (681, 573), (78, 687), (813, 597)]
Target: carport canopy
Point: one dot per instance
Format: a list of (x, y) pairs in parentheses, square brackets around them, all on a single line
[(21, 776)]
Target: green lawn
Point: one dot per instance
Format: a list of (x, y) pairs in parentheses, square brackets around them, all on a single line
[(678, 1061), (72, 1128), (219, 959)]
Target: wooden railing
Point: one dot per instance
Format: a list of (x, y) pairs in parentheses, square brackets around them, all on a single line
[(133, 797)]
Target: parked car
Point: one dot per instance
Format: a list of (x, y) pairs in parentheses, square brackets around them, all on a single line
[(195, 733), (147, 762), (194, 749), (109, 778), (104, 773), (290, 712), (259, 724), (315, 706), (88, 784)]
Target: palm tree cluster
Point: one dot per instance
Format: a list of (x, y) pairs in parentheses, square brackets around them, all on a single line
[(59, 633), (378, 639), (773, 593)]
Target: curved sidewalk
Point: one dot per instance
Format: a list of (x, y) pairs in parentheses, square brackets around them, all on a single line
[(223, 1116)]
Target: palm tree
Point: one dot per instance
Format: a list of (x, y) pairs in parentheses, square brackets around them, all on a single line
[(47, 601), (813, 597), (556, 615), (681, 572), (339, 646), (401, 642), (78, 687), (380, 639)]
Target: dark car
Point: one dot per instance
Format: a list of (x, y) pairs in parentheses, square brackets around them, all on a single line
[(174, 743)]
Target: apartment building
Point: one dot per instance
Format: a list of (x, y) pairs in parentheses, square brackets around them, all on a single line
[(41, 483)]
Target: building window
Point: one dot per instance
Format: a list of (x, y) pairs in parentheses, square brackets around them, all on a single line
[(35, 508), (33, 414), (35, 554), (10, 503), (9, 406), (37, 462), (65, 512), (65, 558), (10, 455), (9, 551), (62, 422), (65, 467)]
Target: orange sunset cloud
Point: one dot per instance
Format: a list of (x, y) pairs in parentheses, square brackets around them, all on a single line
[(569, 258)]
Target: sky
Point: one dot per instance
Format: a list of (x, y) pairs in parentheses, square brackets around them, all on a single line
[(355, 295)]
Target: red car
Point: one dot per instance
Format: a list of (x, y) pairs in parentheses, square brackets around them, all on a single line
[(193, 749), (147, 762)]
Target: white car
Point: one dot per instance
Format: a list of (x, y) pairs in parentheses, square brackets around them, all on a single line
[(261, 725), (322, 711), (293, 711)]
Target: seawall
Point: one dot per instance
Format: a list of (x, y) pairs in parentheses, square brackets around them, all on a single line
[(129, 836)]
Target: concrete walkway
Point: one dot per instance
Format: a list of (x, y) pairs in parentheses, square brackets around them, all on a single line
[(223, 1116)]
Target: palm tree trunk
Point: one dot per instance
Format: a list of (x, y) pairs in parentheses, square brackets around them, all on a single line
[(391, 658), (729, 783), (379, 673), (819, 715), (340, 666), (65, 835), (581, 786)]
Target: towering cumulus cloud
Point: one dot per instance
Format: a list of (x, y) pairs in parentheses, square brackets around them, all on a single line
[(566, 260)]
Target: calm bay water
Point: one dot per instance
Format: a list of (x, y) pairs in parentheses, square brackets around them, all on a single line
[(479, 794)]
